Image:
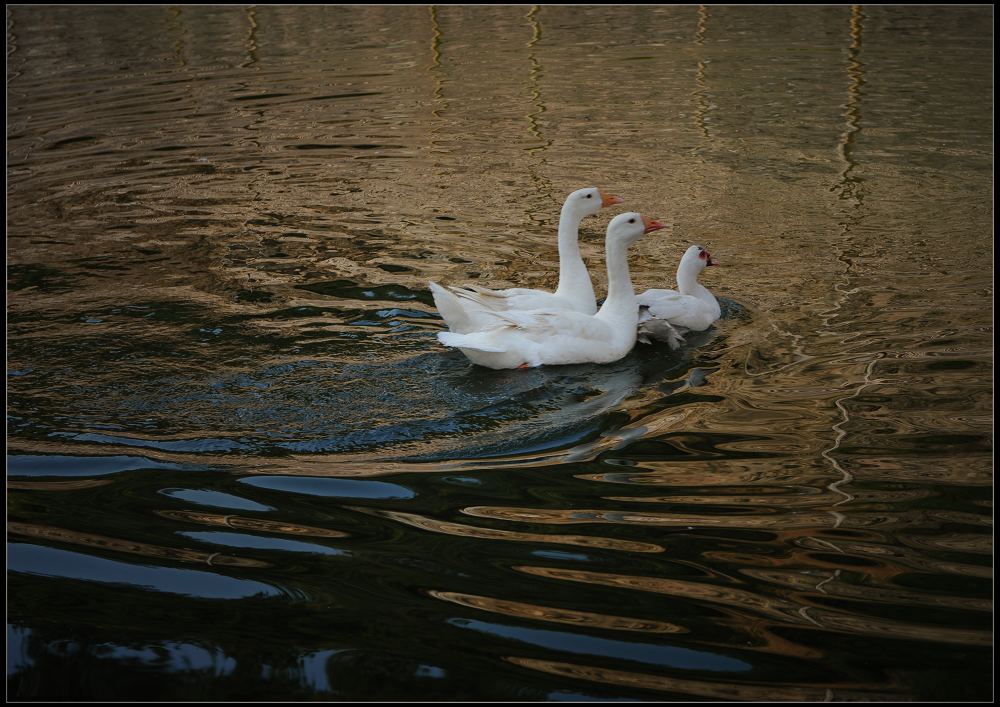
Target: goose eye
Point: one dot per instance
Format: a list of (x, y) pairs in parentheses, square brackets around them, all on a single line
[(631, 220), (589, 195)]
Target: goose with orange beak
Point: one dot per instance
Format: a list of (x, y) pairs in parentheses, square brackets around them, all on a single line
[(525, 339), (463, 307)]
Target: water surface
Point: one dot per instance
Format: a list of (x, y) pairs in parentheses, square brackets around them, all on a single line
[(241, 467)]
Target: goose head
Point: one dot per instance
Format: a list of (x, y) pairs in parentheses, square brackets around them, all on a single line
[(587, 202), (629, 227), (695, 259)]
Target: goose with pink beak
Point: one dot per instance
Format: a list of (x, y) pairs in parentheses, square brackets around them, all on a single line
[(666, 315)]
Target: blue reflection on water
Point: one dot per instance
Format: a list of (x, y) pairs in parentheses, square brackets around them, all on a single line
[(184, 445), (62, 465), (340, 488), (173, 655), (260, 543), (216, 499), (670, 656), (17, 658), (314, 669), (51, 562)]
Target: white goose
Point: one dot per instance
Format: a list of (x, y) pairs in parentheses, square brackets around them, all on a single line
[(523, 339), (666, 315), (463, 307)]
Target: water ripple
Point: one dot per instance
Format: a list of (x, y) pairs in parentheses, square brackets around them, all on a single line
[(240, 463)]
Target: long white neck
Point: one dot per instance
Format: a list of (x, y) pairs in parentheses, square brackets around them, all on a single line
[(687, 284), (574, 280), (620, 305)]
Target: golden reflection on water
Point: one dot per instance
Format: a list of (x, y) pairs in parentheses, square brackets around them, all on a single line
[(251, 40), (584, 619), (699, 37), (832, 585), (440, 104), (776, 499), (902, 556), (850, 187), (794, 476), (535, 76), (470, 531), (701, 92), (716, 689), (689, 520), (258, 524), (954, 542), (74, 485), (784, 611)]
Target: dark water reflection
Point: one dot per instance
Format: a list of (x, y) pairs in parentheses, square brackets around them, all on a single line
[(240, 466)]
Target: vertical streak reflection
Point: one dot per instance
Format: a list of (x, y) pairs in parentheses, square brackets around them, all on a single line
[(11, 41), (177, 24), (534, 127), (699, 37), (439, 105), (251, 38), (534, 75), (701, 92), (840, 432), (252, 121), (15, 64), (849, 186), (435, 67)]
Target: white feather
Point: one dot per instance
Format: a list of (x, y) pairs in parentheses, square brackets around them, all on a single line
[(538, 337), (665, 314)]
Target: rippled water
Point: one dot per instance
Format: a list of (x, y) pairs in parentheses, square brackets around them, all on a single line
[(240, 465)]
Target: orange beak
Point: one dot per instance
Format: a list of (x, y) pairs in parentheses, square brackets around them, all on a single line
[(651, 225), (607, 200)]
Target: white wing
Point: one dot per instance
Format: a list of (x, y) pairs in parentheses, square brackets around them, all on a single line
[(678, 310), (540, 325), (516, 298)]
